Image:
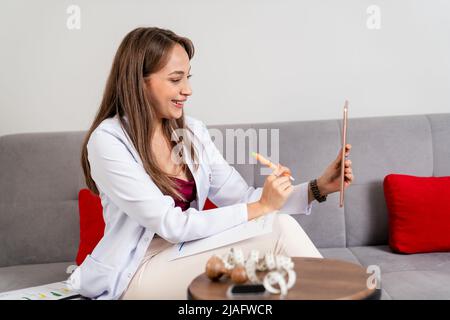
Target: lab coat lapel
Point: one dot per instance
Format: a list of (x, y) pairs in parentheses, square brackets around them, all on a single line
[(202, 176)]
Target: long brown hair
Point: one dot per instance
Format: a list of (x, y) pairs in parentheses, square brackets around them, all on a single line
[(142, 52)]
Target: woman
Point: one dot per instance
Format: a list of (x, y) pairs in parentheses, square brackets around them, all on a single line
[(147, 175)]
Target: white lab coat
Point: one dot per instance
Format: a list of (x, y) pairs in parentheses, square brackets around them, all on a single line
[(134, 208)]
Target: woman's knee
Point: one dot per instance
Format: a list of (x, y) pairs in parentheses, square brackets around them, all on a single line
[(288, 226), (286, 221)]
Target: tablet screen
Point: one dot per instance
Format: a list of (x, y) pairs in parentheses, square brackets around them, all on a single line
[(344, 142)]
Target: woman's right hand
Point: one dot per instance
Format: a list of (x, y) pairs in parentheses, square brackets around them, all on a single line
[(276, 190)]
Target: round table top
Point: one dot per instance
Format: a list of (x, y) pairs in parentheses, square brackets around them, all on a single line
[(317, 279)]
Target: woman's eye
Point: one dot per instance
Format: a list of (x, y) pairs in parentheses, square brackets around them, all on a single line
[(178, 80)]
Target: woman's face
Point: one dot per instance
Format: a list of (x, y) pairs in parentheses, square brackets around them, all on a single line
[(169, 88)]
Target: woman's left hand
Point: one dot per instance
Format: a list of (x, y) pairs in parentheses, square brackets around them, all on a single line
[(330, 181)]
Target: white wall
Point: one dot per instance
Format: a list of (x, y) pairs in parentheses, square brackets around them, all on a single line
[(256, 61)]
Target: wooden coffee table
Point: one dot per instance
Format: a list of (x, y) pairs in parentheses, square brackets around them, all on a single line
[(317, 278)]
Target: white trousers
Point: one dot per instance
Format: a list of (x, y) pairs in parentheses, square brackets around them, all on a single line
[(158, 278)]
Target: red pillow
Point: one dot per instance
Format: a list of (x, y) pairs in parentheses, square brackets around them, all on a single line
[(92, 225), (209, 205), (419, 213)]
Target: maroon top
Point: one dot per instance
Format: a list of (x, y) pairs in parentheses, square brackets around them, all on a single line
[(188, 190)]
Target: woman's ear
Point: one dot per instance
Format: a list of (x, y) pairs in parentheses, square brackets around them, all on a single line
[(148, 94), (147, 87), (147, 82)]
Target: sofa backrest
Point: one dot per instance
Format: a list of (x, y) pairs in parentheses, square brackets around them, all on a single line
[(40, 179), (415, 145), (40, 176)]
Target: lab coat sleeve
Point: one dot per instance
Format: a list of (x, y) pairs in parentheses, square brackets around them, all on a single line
[(128, 185), (228, 187)]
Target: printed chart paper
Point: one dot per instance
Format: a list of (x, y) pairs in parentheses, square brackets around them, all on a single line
[(52, 291), (247, 230)]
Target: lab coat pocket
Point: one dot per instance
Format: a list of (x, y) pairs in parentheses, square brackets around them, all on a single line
[(96, 277)]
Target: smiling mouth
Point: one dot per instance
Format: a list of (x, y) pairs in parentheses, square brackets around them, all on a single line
[(178, 103)]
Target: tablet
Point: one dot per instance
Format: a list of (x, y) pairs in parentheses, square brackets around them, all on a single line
[(344, 142)]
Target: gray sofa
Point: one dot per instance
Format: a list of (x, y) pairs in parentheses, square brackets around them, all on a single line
[(40, 176)]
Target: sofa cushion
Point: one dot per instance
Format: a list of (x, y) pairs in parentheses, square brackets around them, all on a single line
[(416, 276), (339, 254), (389, 261), (419, 213), (417, 285), (24, 276)]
